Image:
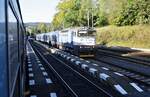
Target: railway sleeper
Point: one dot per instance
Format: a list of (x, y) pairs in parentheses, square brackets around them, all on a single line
[(119, 83), (115, 80)]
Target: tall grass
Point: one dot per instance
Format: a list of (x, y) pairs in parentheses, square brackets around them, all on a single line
[(129, 36)]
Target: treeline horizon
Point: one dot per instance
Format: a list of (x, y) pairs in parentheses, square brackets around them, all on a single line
[(76, 13)]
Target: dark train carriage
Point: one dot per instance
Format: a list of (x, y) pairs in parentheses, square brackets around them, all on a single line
[(11, 49)]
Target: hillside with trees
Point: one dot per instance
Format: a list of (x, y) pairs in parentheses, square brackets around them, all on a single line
[(39, 27), (102, 12), (118, 22)]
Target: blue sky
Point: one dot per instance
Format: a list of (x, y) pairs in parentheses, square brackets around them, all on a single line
[(38, 10)]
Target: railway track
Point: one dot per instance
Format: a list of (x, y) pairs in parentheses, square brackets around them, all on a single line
[(41, 80), (117, 50), (124, 63), (139, 60), (83, 66), (140, 79), (79, 85), (115, 63)]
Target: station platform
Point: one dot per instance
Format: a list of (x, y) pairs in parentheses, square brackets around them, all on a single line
[(41, 82)]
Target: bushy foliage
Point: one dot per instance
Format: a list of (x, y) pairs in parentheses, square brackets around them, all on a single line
[(102, 21), (74, 13), (39, 28), (105, 12), (136, 12), (130, 36), (108, 10)]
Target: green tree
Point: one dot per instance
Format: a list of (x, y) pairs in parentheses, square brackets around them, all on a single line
[(42, 28), (67, 14), (135, 12), (74, 13), (33, 30), (108, 10)]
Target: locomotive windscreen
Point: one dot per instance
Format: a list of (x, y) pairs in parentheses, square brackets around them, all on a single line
[(82, 33)]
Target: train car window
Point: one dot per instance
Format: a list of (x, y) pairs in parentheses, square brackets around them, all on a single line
[(12, 47), (21, 39), (3, 66), (92, 33), (73, 33), (64, 33), (83, 33)]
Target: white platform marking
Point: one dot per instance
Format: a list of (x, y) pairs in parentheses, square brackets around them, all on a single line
[(29, 62), (48, 80), (77, 62), (68, 58), (53, 95), (84, 66), (136, 87), (72, 60), (42, 68), (33, 96), (92, 70), (104, 76), (118, 74), (45, 73), (29, 65), (88, 61), (40, 64), (81, 59), (120, 89), (105, 68), (65, 56), (30, 69), (31, 82), (31, 74), (95, 64)]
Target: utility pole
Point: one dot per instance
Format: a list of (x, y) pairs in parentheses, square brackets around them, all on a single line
[(88, 17), (92, 18), (90, 14), (63, 23)]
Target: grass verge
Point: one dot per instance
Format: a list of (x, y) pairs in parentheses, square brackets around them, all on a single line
[(137, 36)]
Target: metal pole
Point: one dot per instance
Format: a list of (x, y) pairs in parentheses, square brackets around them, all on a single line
[(88, 16), (63, 23), (92, 18)]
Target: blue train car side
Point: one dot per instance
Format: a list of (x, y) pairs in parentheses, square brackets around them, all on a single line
[(12, 49), (50, 38), (79, 41)]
